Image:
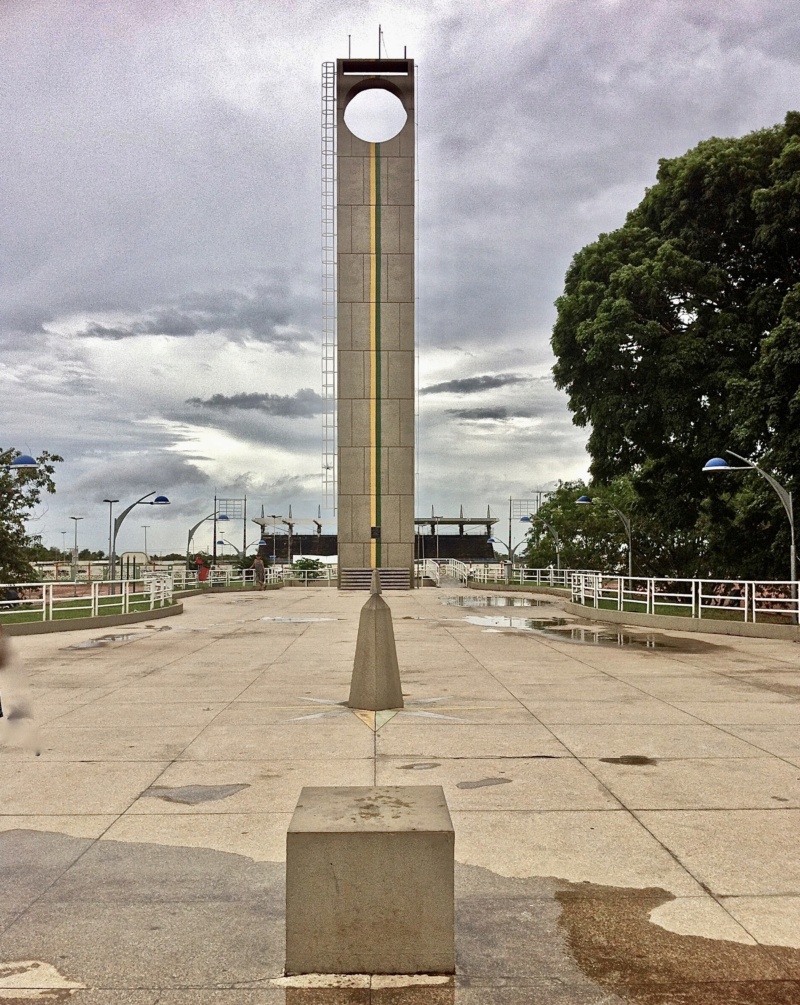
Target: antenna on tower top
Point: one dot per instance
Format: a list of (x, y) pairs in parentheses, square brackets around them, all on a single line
[(379, 41)]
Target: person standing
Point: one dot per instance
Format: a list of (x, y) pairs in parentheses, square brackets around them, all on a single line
[(258, 569)]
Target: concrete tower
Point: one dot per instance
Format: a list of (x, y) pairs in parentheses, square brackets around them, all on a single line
[(375, 355)]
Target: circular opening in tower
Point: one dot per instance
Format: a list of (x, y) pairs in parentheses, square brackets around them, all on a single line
[(375, 115)]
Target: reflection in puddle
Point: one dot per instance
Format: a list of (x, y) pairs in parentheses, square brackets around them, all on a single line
[(563, 630), (483, 601), (107, 640), (298, 621)]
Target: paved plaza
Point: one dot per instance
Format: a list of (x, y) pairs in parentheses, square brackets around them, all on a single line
[(627, 817)]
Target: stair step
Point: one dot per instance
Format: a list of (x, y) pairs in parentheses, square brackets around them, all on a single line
[(361, 579)]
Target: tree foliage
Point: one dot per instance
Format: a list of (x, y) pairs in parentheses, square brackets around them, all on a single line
[(678, 337), (20, 492)]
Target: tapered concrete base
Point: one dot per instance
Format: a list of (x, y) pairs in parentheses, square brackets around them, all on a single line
[(375, 684)]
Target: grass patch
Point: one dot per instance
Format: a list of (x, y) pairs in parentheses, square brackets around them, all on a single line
[(78, 608)]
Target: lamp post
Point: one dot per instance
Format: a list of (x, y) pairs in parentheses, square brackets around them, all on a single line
[(554, 533), (158, 501), (720, 464), (510, 560), (274, 517), (220, 518), (626, 520), (145, 527), (75, 548), (64, 541), (110, 502)]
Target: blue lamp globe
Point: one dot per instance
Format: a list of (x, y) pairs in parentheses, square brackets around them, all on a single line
[(584, 501), (161, 501), (716, 464), (24, 461)]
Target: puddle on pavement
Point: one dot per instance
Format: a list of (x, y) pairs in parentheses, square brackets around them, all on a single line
[(481, 601), (629, 759), (564, 630), (191, 795), (297, 621), (482, 783), (107, 640), (520, 939)]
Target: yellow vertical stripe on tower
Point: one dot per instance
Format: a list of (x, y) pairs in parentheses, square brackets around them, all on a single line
[(374, 265)]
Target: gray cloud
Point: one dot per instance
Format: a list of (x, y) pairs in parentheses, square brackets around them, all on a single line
[(303, 404), (479, 414), (170, 182), (264, 315), (473, 385)]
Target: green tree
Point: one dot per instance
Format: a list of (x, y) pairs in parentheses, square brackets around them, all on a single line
[(20, 492), (678, 336)]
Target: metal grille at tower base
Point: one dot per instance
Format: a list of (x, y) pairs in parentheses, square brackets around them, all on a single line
[(361, 579)]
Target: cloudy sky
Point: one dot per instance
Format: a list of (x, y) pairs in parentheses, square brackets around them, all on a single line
[(159, 213)]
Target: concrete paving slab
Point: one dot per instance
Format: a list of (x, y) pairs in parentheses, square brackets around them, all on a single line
[(592, 846), (602, 712), (402, 737), (651, 741), (501, 783), (579, 881), (773, 921), (342, 737), (702, 783), (734, 852), (110, 743), (56, 787), (191, 787)]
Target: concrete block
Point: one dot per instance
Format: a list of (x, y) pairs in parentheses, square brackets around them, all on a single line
[(369, 881)]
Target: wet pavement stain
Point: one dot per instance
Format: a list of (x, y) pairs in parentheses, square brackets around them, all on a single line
[(481, 601), (422, 766), (106, 640), (128, 915), (615, 944), (564, 630), (191, 795), (482, 783), (630, 759)]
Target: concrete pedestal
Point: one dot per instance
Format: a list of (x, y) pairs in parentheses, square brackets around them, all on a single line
[(369, 881)]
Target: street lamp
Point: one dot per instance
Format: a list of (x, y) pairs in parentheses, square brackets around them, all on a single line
[(23, 463), (553, 532), (110, 534), (626, 520), (64, 541), (510, 560), (158, 501), (75, 548), (145, 527), (720, 464), (220, 518), (274, 517)]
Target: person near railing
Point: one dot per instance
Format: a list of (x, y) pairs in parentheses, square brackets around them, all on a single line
[(260, 572)]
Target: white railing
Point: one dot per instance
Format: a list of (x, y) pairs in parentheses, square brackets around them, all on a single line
[(453, 569), (189, 579), (740, 600), (24, 602), (427, 568)]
